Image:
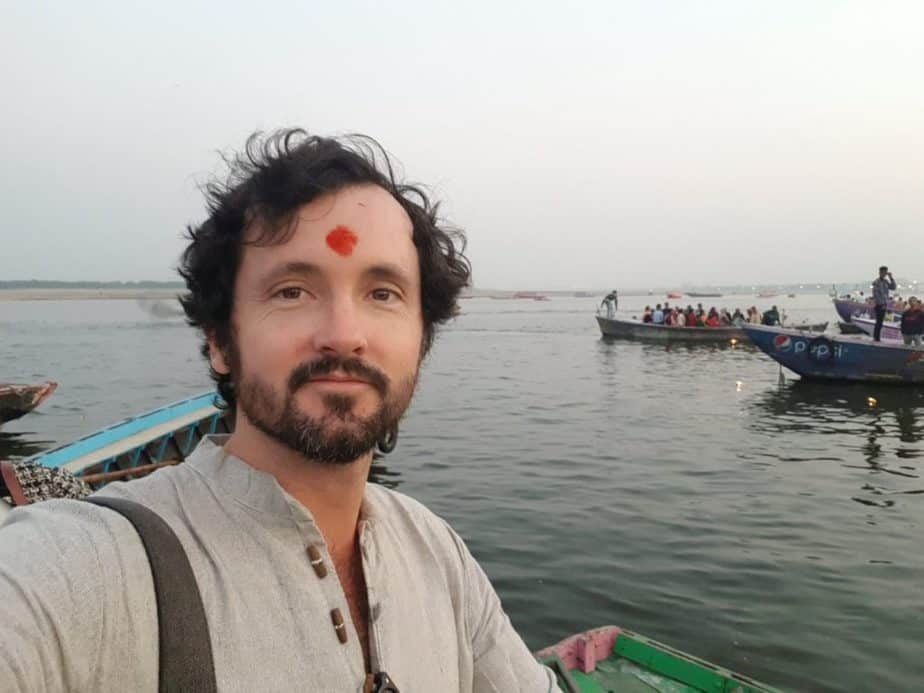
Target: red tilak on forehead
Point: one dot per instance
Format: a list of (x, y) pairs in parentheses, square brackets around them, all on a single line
[(342, 241)]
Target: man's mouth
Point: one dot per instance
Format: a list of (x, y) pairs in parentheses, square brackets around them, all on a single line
[(338, 379), (338, 375)]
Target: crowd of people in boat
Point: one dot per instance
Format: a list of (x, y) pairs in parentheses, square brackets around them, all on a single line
[(678, 316)]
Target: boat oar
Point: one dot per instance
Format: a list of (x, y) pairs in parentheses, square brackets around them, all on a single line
[(142, 470)]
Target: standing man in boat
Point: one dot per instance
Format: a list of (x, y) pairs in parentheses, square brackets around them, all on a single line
[(318, 282), (611, 301), (881, 287)]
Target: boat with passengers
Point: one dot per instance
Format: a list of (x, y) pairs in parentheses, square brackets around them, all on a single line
[(621, 328), (847, 308), (842, 357)]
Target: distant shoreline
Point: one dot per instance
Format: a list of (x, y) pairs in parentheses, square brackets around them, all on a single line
[(110, 294), (86, 294)]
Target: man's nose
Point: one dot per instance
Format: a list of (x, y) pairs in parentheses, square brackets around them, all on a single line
[(340, 330)]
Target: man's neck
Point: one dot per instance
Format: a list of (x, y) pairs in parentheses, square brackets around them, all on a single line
[(333, 493)]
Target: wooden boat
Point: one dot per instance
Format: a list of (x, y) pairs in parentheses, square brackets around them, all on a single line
[(843, 357), (847, 308), (635, 329), (129, 449), (19, 400), (699, 294), (140, 444), (614, 659), (767, 294), (891, 331), (674, 294), (534, 295)]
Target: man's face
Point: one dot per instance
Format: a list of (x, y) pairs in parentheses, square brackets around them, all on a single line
[(328, 326), (883, 272)]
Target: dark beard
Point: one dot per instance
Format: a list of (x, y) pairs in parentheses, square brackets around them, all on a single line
[(339, 436)]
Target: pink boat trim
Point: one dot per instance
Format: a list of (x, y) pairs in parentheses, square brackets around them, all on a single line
[(584, 650)]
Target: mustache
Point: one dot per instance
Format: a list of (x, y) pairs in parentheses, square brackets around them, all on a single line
[(325, 365)]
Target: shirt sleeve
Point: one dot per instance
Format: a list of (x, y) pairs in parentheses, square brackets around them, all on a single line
[(65, 621), (502, 662)]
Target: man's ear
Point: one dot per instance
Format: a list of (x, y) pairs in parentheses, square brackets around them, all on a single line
[(217, 356)]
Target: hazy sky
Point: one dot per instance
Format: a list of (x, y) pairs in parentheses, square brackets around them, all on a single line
[(580, 144)]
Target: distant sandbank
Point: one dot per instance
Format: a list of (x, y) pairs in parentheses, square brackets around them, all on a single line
[(85, 294)]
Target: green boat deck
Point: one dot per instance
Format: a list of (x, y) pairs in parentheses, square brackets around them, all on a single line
[(639, 664)]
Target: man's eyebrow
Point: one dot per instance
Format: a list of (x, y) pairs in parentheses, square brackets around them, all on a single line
[(289, 269), (389, 272)]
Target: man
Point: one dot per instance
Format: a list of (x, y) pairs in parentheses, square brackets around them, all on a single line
[(771, 317), (317, 282), (912, 324), (611, 301), (668, 316), (658, 316), (881, 286)]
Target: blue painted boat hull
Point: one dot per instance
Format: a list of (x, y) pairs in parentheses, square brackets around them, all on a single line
[(842, 357), (132, 448), (166, 434)]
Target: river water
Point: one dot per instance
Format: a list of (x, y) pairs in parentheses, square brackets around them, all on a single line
[(683, 492)]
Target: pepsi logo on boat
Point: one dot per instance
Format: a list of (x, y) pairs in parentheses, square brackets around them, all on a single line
[(782, 342), (821, 350)]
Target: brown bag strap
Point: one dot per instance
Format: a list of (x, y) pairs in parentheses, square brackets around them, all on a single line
[(186, 662), (11, 482)]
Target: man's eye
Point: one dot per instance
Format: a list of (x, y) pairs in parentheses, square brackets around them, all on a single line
[(383, 294), (290, 293)]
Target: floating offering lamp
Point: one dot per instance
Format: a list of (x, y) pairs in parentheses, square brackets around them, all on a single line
[(872, 401), (734, 341)]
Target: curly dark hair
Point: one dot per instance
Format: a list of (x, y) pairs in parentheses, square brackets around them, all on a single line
[(268, 182)]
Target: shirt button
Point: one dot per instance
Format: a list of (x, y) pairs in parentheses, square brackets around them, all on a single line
[(339, 626), (314, 555)]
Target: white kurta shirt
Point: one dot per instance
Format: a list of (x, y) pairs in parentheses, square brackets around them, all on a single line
[(77, 608)]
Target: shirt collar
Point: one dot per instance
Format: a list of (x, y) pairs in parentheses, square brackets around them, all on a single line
[(259, 490)]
